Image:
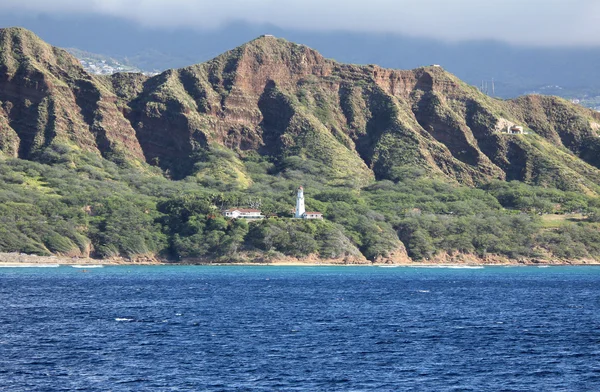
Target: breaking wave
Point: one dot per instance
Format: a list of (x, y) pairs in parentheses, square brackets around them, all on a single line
[(88, 266), (29, 265)]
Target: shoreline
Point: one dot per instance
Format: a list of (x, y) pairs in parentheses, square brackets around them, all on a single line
[(90, 263), (16, 260), (413, 265)]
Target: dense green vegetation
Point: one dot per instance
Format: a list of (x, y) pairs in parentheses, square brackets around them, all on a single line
[(137, 167), (78, 203)]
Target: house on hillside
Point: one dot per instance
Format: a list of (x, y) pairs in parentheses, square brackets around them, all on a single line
[(312, 215), (512, 129), (242, 213), (516, 130)]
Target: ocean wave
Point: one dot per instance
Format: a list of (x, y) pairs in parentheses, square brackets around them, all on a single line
[(29, 265), (124, 319), (88, 266), (450, 266), (465, 267)]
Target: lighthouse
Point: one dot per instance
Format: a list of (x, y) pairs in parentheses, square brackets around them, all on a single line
[(300, 210)]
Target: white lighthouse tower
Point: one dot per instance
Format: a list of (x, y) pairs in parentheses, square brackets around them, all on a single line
[(300, 210)]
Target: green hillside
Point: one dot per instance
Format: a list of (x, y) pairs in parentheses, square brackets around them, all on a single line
[(405, 165)]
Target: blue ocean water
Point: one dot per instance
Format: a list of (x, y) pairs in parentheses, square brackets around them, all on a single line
[(300, 329)]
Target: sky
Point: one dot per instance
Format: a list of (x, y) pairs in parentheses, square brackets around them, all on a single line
[(523, 22)]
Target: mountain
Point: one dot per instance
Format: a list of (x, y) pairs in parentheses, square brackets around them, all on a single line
[(48, 98), (570, 72), (282, 100), (270, 115)]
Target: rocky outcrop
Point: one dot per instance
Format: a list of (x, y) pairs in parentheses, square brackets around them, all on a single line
[(281, 100), (365, 122), (47, 98)]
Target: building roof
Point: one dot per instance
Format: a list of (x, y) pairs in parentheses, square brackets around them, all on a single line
[(242, 210), (313, 213)]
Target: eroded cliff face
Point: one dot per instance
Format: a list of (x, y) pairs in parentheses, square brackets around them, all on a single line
[(9, 140), (47, 98), (285, 100), (364, 122)]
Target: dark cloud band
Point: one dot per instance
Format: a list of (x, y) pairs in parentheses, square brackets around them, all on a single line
[(545, 22)]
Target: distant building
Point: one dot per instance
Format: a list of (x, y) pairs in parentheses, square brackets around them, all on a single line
[(300, 210), (512, 129), (241, 213), (312, 215), (516, 130)]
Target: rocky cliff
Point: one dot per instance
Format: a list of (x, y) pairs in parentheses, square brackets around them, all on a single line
[(47, 98), (282, 100)]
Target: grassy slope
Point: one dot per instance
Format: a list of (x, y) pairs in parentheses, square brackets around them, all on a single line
[(381, 153)]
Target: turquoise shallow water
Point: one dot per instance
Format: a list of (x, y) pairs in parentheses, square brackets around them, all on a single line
[(300, 328)]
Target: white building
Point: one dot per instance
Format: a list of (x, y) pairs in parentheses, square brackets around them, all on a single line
[(312, 215), (240, 213), (516, 130), (300, 211)]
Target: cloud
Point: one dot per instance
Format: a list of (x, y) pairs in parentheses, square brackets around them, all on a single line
[(540, 22)]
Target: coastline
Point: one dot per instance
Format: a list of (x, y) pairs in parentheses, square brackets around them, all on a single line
[(19, 260)]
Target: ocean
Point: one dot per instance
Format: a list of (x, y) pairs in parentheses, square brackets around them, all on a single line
[(237, 328)]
